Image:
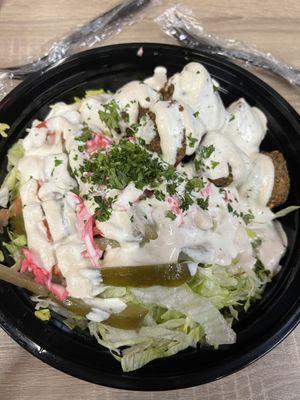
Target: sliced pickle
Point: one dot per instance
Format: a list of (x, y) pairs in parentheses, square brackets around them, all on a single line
[(21, 280), (147, 275), (102, 243), (130, 318), (76, 306)]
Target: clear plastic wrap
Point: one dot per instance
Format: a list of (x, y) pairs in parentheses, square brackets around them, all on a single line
[(179, 22), (85, 37)]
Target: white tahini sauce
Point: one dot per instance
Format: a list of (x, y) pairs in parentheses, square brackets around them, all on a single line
[(213, 229)]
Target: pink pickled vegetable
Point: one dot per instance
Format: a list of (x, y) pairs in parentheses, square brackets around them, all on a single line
[(174, 204), (206, 191), (99, 142), (86, 225), (41, 276)]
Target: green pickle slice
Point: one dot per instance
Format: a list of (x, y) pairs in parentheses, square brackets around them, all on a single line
[(170, 275), (130, 318)]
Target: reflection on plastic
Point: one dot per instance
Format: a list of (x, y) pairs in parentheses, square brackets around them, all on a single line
[(180, 23), (85, 37)]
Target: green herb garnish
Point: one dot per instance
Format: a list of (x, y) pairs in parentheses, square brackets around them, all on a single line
[(159, 195), (191, 140), (86, 134), (124, 163), (207, 151), (110, 116), (57, 162), (194, 184), (214, 164), (203, 203), (247, 217), (171, 215), (103, 209)]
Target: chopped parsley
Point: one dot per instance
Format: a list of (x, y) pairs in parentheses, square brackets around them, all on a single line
[(172, 188), (57, 162), (207, 151), (232, 118), (191, 140), (196, 114), (256, 243), (110, 116), (124, 163), (86, 134), (247, 217), (214, 164), (159, 195), (194, 184), (186, 201), (103, 210), (229, 207), (125, 116), (171, 215), (132, 129), (75, 190), (203, 203)]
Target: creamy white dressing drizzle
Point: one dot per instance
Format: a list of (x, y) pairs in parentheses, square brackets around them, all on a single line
[(194, 86), (158, 80), (194, 119), (177, 127)]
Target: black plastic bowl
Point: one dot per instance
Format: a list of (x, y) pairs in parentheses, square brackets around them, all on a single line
[(264, 326)]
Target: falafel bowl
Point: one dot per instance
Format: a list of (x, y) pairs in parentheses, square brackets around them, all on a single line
[(145, 215)]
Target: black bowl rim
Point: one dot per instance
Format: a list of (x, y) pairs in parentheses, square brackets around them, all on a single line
[(291, 319)]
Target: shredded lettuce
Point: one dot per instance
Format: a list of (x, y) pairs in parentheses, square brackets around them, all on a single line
[(93, 92), (15, 153), (199, 312), (285, 211), (197, 308), (149, 343), (229, 286), (10, 185), (3, 128), (17, 242), (43, 314), (11, 180)]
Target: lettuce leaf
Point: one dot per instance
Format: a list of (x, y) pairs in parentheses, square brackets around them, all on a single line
[(193, 306), (149, 343), (10, 185), (15, 153), (229, 286), (285, 211), (43, 314), (3, 128), (17, 242)]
